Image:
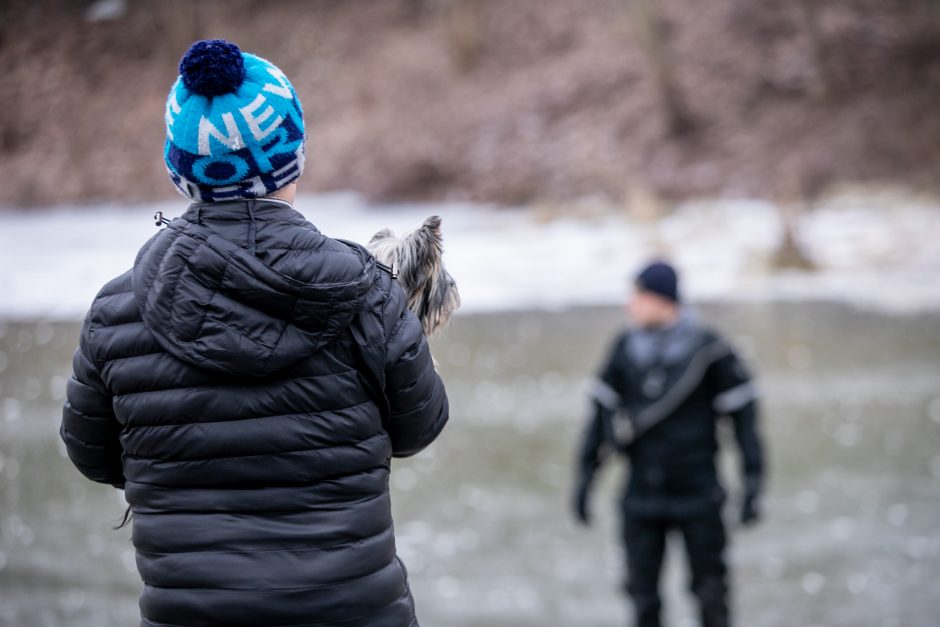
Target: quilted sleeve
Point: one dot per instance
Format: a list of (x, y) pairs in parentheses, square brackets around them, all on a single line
[(89, 428), (418, 407)]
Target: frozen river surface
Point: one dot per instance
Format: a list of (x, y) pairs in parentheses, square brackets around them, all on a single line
[(850, 539)]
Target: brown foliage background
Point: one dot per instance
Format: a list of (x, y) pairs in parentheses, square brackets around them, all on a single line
[(510, 101)]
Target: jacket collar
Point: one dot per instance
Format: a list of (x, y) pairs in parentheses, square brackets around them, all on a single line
[(236, 210), (237, 220)]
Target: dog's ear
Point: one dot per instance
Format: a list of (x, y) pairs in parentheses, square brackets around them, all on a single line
[(419, 256), (383, 234), (426, 248), (429, 239)]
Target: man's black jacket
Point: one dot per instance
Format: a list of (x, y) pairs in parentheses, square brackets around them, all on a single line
[(657, 400)]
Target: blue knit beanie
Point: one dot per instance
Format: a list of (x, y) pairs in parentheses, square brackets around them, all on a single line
[(234, 125), (659, 278)]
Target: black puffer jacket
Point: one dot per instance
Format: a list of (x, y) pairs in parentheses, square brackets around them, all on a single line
[(219, 383)]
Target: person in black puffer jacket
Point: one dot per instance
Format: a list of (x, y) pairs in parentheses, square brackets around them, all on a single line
[(224, 383)]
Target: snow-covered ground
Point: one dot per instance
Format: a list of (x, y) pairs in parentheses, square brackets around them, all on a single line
[(871, 250)]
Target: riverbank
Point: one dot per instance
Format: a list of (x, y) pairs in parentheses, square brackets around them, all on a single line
[(869, 248)]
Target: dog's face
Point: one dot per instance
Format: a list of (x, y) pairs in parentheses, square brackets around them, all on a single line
[(417, 258)]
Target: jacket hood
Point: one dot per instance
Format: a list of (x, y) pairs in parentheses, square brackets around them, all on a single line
[(248, 287)]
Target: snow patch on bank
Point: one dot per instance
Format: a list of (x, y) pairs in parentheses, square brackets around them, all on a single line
[(868, 254)]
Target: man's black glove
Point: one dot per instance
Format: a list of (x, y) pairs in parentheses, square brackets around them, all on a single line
[(750, 507), (580, 501)]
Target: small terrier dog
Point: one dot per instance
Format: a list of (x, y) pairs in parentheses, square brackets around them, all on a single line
[(417, 260)]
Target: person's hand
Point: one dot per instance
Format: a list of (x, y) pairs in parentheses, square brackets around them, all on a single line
[(750, 509), (580, 502)]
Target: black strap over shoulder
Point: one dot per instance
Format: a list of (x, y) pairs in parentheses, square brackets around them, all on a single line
[(644, 418), (633, 416)]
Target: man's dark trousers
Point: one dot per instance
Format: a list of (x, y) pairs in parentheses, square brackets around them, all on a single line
[(704, 538)]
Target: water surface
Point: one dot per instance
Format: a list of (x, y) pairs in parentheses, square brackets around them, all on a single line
[(851, 418)]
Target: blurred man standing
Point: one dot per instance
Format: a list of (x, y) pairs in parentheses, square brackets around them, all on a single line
[(665, 383)]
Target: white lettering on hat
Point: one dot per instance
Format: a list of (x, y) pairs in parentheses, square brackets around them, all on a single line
[(172, 109), (254, 123), (233, 141), (282, 89)]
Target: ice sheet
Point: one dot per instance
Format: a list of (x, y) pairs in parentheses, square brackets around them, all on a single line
[(868, 252)]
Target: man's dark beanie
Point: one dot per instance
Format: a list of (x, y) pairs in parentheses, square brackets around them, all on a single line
[(660, 278)]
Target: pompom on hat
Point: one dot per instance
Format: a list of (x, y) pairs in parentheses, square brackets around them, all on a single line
[(234, 125)]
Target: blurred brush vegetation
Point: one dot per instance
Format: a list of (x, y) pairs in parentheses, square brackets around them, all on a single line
[(525, 101)]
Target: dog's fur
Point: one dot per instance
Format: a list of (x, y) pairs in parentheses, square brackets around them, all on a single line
[(417, 260)]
